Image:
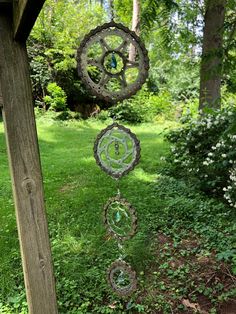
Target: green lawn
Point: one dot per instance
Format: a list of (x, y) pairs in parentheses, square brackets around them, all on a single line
[(76, 189)]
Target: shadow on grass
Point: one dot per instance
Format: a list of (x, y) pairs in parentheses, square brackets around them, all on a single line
[(76, 190)]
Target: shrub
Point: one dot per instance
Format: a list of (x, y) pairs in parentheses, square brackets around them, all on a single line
[(103, 115), (162, 104), (68, 115), (50, 115), (144, 107), (56, 98), (189, 109), (204, 149), (129, 111), (228, 99)]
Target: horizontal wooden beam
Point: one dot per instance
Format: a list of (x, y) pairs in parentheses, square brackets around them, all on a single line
[(25, 13), (5, 3)]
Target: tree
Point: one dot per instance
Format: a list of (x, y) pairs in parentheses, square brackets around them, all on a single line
[(172, 33), (135, 25), (229, 67), (212, 54), (53, 43)]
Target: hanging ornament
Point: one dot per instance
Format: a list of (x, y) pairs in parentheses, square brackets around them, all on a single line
[(108, 70), (117, 150), (122, 278), (104, 65), (120, 218)]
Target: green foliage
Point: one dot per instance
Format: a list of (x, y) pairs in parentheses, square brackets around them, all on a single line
[(130, 111), (229, 74), (207, 217), (171, 30), (103, 115), (53, 43), (173, 34), (68, 115), (56, 100), (162, 104), (156, 10), (204, 149), (228, 98), (144, 107), (76, 190), (189, 109), (188, 214), (123, 11), (52, 116)]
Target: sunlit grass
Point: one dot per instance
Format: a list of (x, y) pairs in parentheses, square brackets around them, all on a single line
[(76, 189)]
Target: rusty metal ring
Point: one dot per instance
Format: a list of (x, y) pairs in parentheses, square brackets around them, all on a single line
[(100, 88), (120, 167), (121, 268), (121, 224)]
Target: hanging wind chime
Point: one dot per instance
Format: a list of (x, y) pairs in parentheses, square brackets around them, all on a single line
[(108, 71)]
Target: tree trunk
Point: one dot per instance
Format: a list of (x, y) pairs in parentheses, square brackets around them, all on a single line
[(212, 54), (135, 26)]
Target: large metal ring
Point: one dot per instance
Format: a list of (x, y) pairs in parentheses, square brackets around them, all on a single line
[(106, 80)]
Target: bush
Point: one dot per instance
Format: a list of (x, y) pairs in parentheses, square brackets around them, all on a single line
[(103, 115), (204, 149), (129, 111), (228, 99), (56, 98), (144, 107), (68, 115), (189, 109), (56, 116)]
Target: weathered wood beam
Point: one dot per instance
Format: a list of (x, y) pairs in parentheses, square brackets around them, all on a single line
[(5, 4), (25, 13), (5, 1), (1, 100), (23, 152)]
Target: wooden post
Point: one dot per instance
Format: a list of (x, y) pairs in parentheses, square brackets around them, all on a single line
[(25, 13), (1, 100), (26, 175)]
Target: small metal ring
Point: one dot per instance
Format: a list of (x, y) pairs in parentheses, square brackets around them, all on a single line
[(117, 173), (122, 267)]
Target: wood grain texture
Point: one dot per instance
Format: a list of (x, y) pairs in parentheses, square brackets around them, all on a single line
[(5, 4), (26, 175), (25, 13), (1, 100)]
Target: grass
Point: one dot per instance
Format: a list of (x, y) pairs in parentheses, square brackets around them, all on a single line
[(169, 214)]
